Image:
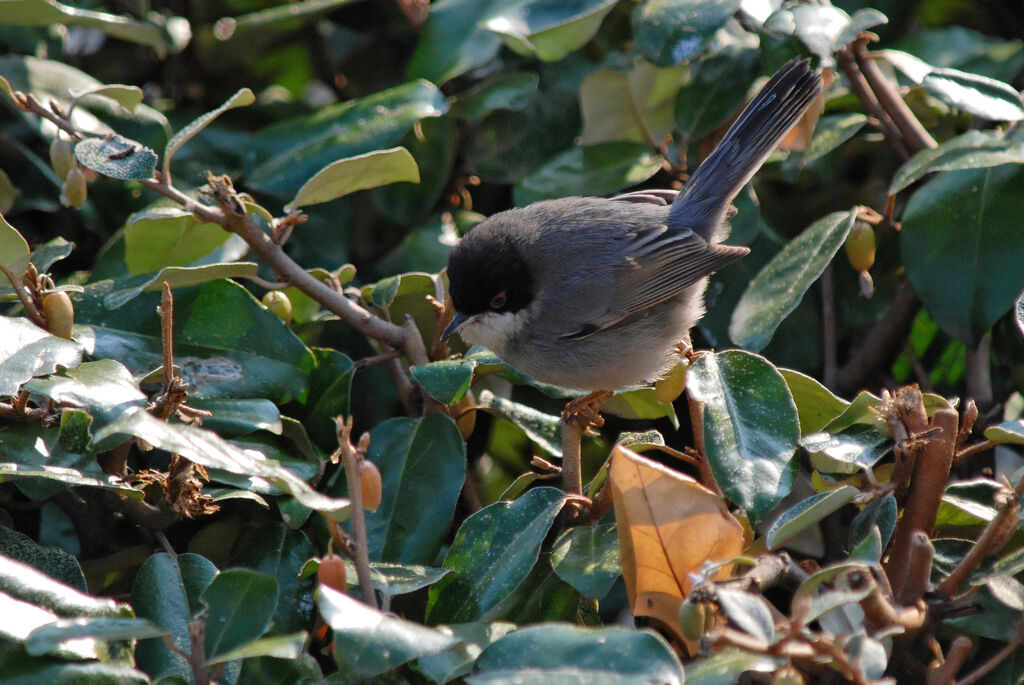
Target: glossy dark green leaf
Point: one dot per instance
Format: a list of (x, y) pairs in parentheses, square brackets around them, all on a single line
[(549, 30), (330, 387), (543, 429), (453, 41), (541, 597), (288, 153), (978, 95), (53, 561), (53, 636), (75, 430), (181, 276), (778, 288), (168, 236), (117, 157), (493, 551), (673, 31), (30, 351), (278, 550), (58, 478), (567, 654), (726, 667), (847, 452), (830, 132), (398, 579), (587, 557), (226, 343), (240, 604), (446, 381), (880, 514), (961, 249), (598, 169), (167, 591), (30, 670), (750, 428), (423, 466), (717, 89), (20, 581), (869, 547), (209, 450), (971, 150), (458, 660), (503, 90), (807, 513), (105, 388), (368, 642), (749, 612), (815, 404), (232, 418), (433, 144), (275, 671)]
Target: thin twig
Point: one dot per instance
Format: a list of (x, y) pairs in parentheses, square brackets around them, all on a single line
[(352, 459), (997, 658), (882, 343), (25, 296), (862, 90), (914, 133), (956, 655), (976, 448)]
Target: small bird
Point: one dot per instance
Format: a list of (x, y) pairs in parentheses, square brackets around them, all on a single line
[(595, 293)]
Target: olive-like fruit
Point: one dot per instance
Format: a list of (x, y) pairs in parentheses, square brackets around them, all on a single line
[(371, 485), (59, 313)]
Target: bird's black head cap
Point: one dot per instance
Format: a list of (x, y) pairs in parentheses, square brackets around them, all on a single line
[(486, 272)]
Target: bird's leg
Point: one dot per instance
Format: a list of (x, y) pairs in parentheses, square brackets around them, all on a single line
[(586, 410)]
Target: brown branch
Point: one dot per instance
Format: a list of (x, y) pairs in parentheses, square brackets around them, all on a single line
[(879, 610), (914, 134), (956, 655), (997, 658), (830, 372), (860, 88), (882, 343), (707, 476), (352, 459), (917, 580), (25, 296), (931, 471), (976, 448), (992, 539)]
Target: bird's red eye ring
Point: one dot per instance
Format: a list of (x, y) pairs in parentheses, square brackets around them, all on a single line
[(498, 301)]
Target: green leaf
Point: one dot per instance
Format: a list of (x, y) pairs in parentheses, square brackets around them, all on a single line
[(1007, 432), (846, 452), (778, 288), (279, 647), (53, 561), (242, 98), (105, 388), (750, 428), (453, 41), (541, 428), (128, 97), (587, 557), (636, 105), (8, 196), (423, 467), (971, 150), (493, 552), (978, 95), (819, 27), (879, 514), (330, 386), (807, 513), (641, 403), (458, 660), (226, 343), (168, 236), (345, 176), (368, 642), (749, 612), (117, 157), (168, 35), (54, 636), (546, 28), (208, 449), (30, 351), (63, 475), (815, 404), (961, 249), (167, 591), (726, 667), (275, 549), (672, 31), (181, 276), (240, 603), (446, 381), (598, 169), (285, 155), (717, 89), (504, 90), (22, 582), (14, 252), (821, 594), (568, 655), (232, 418), (391, 579), (830, 132)]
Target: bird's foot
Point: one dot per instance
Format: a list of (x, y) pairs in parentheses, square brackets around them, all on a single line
[(586, 410)]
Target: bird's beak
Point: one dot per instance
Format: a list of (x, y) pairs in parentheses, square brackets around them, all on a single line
[(458, 321)]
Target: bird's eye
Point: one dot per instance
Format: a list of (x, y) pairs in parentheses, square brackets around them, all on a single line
[(498, 301)]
